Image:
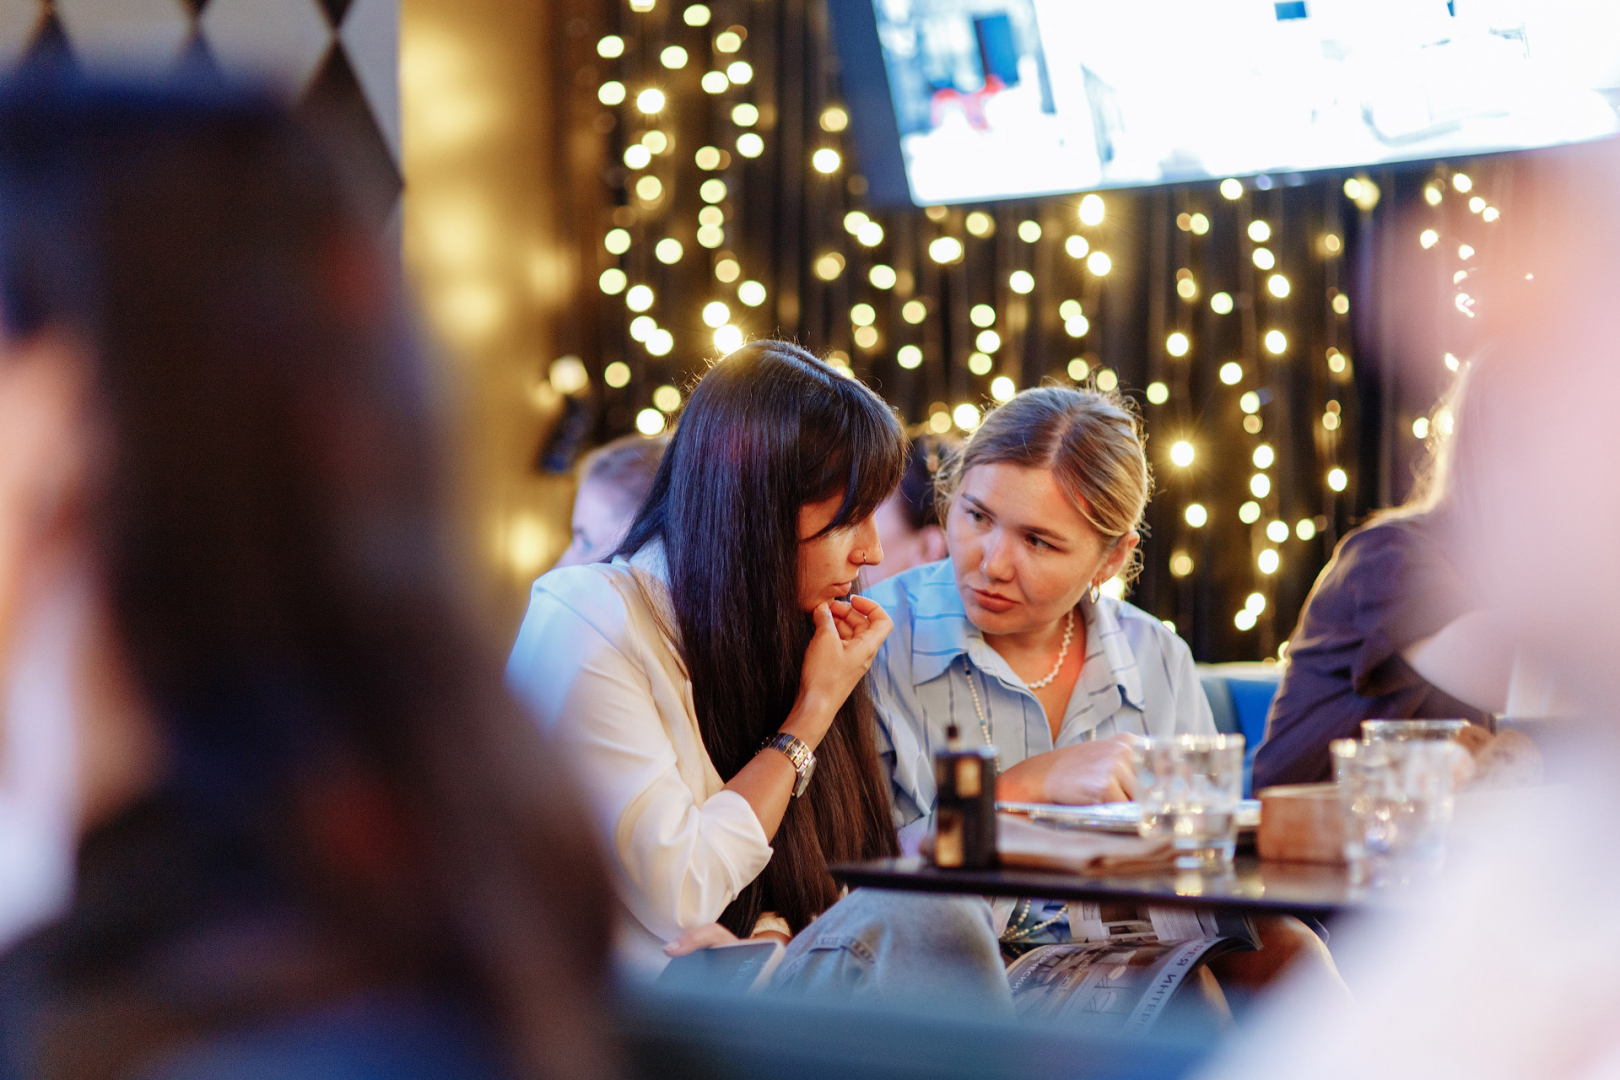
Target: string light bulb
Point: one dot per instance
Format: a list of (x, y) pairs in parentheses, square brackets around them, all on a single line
[(650, 100), (1092, 210), (1196, 515), (945, 249)]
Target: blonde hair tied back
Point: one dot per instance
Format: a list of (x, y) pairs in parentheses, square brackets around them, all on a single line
[(1090, 440)]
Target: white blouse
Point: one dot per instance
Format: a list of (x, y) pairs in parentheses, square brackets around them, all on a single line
[(596, 663)]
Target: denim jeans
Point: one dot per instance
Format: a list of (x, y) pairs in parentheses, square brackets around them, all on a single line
[(900, 948)]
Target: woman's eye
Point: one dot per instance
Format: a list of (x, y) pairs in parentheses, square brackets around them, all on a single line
[(1036, 541), (978, 515)]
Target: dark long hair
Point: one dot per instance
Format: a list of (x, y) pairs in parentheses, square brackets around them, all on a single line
[(268, 524), (769, 429)]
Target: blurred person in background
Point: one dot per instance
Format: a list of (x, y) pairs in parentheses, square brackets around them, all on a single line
[(1391, 630), (264, 809), (613, 483), (908, 520), (711, 680)]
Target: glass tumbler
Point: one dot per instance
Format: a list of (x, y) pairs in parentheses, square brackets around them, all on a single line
[(1188, 788), (1397, 798)]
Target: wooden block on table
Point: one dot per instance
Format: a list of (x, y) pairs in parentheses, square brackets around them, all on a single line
[(1301, 823)]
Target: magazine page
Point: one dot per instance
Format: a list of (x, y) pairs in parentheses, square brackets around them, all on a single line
[(1125, 923), (1103, 988)]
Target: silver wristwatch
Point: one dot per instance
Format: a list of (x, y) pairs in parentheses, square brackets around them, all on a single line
[(798, 753)]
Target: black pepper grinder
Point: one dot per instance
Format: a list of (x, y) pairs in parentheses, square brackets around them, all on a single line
[(965, 815)]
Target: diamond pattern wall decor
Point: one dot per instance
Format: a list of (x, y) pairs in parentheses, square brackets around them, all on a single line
[(339, 57)]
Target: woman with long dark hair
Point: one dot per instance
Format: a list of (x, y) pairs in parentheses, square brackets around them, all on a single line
[(711, 677), (264, 809)]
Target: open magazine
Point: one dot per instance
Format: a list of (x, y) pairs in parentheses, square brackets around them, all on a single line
[(1124, 965)]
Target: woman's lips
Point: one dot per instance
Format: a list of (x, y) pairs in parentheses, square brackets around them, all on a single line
[(992, 601)]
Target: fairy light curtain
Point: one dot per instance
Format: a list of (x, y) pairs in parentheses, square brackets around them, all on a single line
[(1243, 316)]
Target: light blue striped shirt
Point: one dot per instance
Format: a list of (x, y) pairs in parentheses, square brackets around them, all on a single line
[(1138, 677)]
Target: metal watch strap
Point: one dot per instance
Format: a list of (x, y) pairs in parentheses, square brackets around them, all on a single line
[(799, 755)]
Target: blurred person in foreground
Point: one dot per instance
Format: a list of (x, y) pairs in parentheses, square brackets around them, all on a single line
[(1511, 967), (908, 520), (264, 809), (613, 483)]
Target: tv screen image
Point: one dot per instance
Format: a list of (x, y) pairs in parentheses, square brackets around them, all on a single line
[(997, 99)]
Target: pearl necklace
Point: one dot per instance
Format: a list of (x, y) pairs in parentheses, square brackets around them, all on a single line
[(978, 706), (1063, 654)]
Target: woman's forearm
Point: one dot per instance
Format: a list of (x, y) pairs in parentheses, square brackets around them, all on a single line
[(767, 782)]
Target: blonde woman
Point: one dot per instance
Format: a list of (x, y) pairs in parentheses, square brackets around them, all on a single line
[(1011, 640)]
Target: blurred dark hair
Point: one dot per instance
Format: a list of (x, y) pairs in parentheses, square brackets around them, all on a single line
[(627, 464), (929, 458), (769, 429), (270, 530)]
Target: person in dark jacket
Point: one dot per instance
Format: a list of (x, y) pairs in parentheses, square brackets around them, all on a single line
[(1390, 630)]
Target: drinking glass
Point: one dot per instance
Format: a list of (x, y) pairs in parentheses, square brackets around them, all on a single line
[(1397, 797), (1409, 730), (1188, 788)]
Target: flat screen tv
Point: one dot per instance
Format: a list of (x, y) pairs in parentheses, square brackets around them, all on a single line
[(975, 100)]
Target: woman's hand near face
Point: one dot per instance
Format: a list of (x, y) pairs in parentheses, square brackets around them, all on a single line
[(1099, 771), (840, 653)]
